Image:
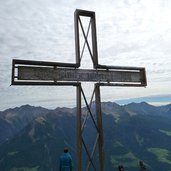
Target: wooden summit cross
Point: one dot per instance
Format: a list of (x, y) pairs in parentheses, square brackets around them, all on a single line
[(26, 72)]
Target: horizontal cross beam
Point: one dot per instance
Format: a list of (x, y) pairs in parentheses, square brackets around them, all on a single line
[(35, 75)]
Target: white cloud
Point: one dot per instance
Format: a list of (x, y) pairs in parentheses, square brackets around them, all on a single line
[(129, 32)]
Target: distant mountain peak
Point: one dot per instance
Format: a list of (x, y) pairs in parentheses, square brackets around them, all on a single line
[(128, 131)]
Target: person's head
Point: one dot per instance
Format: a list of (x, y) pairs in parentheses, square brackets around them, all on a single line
[(141, 163), (65, 150), (120, 168)]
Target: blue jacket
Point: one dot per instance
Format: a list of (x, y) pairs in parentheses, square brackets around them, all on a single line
[(143, 168), (65, 162)]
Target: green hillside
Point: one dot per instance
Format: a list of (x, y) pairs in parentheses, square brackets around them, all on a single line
[(129, 136)]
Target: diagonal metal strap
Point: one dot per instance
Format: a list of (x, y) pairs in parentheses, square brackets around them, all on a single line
[(89, 110), (86, 39), (93, 151), (88, 154), (85, 119)]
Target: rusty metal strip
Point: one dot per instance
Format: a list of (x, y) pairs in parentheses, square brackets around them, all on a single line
[(87, 152), (79, 134), (44, 63), (100, 127), (89, 110), (93, 151), (84, 122)]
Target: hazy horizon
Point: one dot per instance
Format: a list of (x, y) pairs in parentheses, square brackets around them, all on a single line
[(152, 100)]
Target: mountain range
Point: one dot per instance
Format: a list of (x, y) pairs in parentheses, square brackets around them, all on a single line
[(32, 138)]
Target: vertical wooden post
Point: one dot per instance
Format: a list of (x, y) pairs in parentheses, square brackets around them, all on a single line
[(79, 136), (100, 127)]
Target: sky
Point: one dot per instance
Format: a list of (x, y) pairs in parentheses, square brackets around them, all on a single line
[(129, 33)]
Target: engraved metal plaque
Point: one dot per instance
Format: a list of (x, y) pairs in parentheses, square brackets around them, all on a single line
[(69, 74)]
